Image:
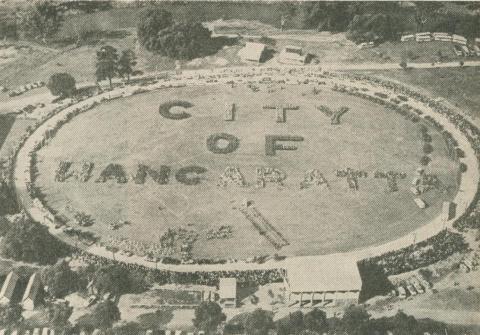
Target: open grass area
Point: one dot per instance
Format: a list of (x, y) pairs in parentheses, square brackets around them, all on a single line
[(453, 300), (6, 124), (313, 220), (458, 85), (121, 18), (13, 130)]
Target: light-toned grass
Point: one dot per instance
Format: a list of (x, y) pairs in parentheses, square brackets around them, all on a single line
[(12, 134), (458, 85), (131, 131)]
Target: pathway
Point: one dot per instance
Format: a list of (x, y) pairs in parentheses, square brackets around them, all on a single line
[(466, 193)]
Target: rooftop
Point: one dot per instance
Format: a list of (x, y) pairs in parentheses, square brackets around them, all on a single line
[(323, 273), (9, 286), (252, 51), (227, 288)]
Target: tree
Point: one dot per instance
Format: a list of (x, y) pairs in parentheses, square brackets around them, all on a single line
[(107, 313), (330, 16), (111, 279), (8, 25), (404, 324), (5, 225), (184, 40), (112, 249), (106, 67), (58, 314), (316, 320), (427, 148), (29, 241), (425, 160), (59, 278), (258, 322), (103, 316), (355, 320), (208, 316), (8, 202), (150, 22), (42, 19), (403, 64), (61, 84), (10, 315), (126, 63), (296, 322), (424, 10), (375, 27), (158, 32)]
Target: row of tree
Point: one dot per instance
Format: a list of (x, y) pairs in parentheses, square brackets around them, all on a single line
[(109, 64), (385, 20), (42, 19), (355, 321), (159, 32)]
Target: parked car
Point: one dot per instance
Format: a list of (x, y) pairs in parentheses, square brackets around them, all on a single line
[(420, 203), (466, 51), (476, 49), (458, 50)]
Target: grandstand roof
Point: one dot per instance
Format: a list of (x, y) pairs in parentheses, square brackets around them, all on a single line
[(323, 273), (227, 288)]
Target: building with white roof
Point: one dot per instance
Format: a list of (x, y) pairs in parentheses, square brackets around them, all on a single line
[(252, 52), (227, 290), (8, 288), (321, 279), (292, 55), (30, 297)]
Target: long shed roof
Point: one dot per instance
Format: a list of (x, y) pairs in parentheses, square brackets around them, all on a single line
[(323, 273), (9, 286)]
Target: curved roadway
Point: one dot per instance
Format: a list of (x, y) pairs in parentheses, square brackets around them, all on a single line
[(465, 195)]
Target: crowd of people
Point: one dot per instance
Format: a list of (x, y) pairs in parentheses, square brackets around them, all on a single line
[(313, 177), (61, 171), (269, 175), (231, 175), (222, 232), (135, 247), (113, 171), (352, 177), (421, 254), (391, 177), (244, 277), (428, 251)]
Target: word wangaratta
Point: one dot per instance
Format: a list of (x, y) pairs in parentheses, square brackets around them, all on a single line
[(193, 175)]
